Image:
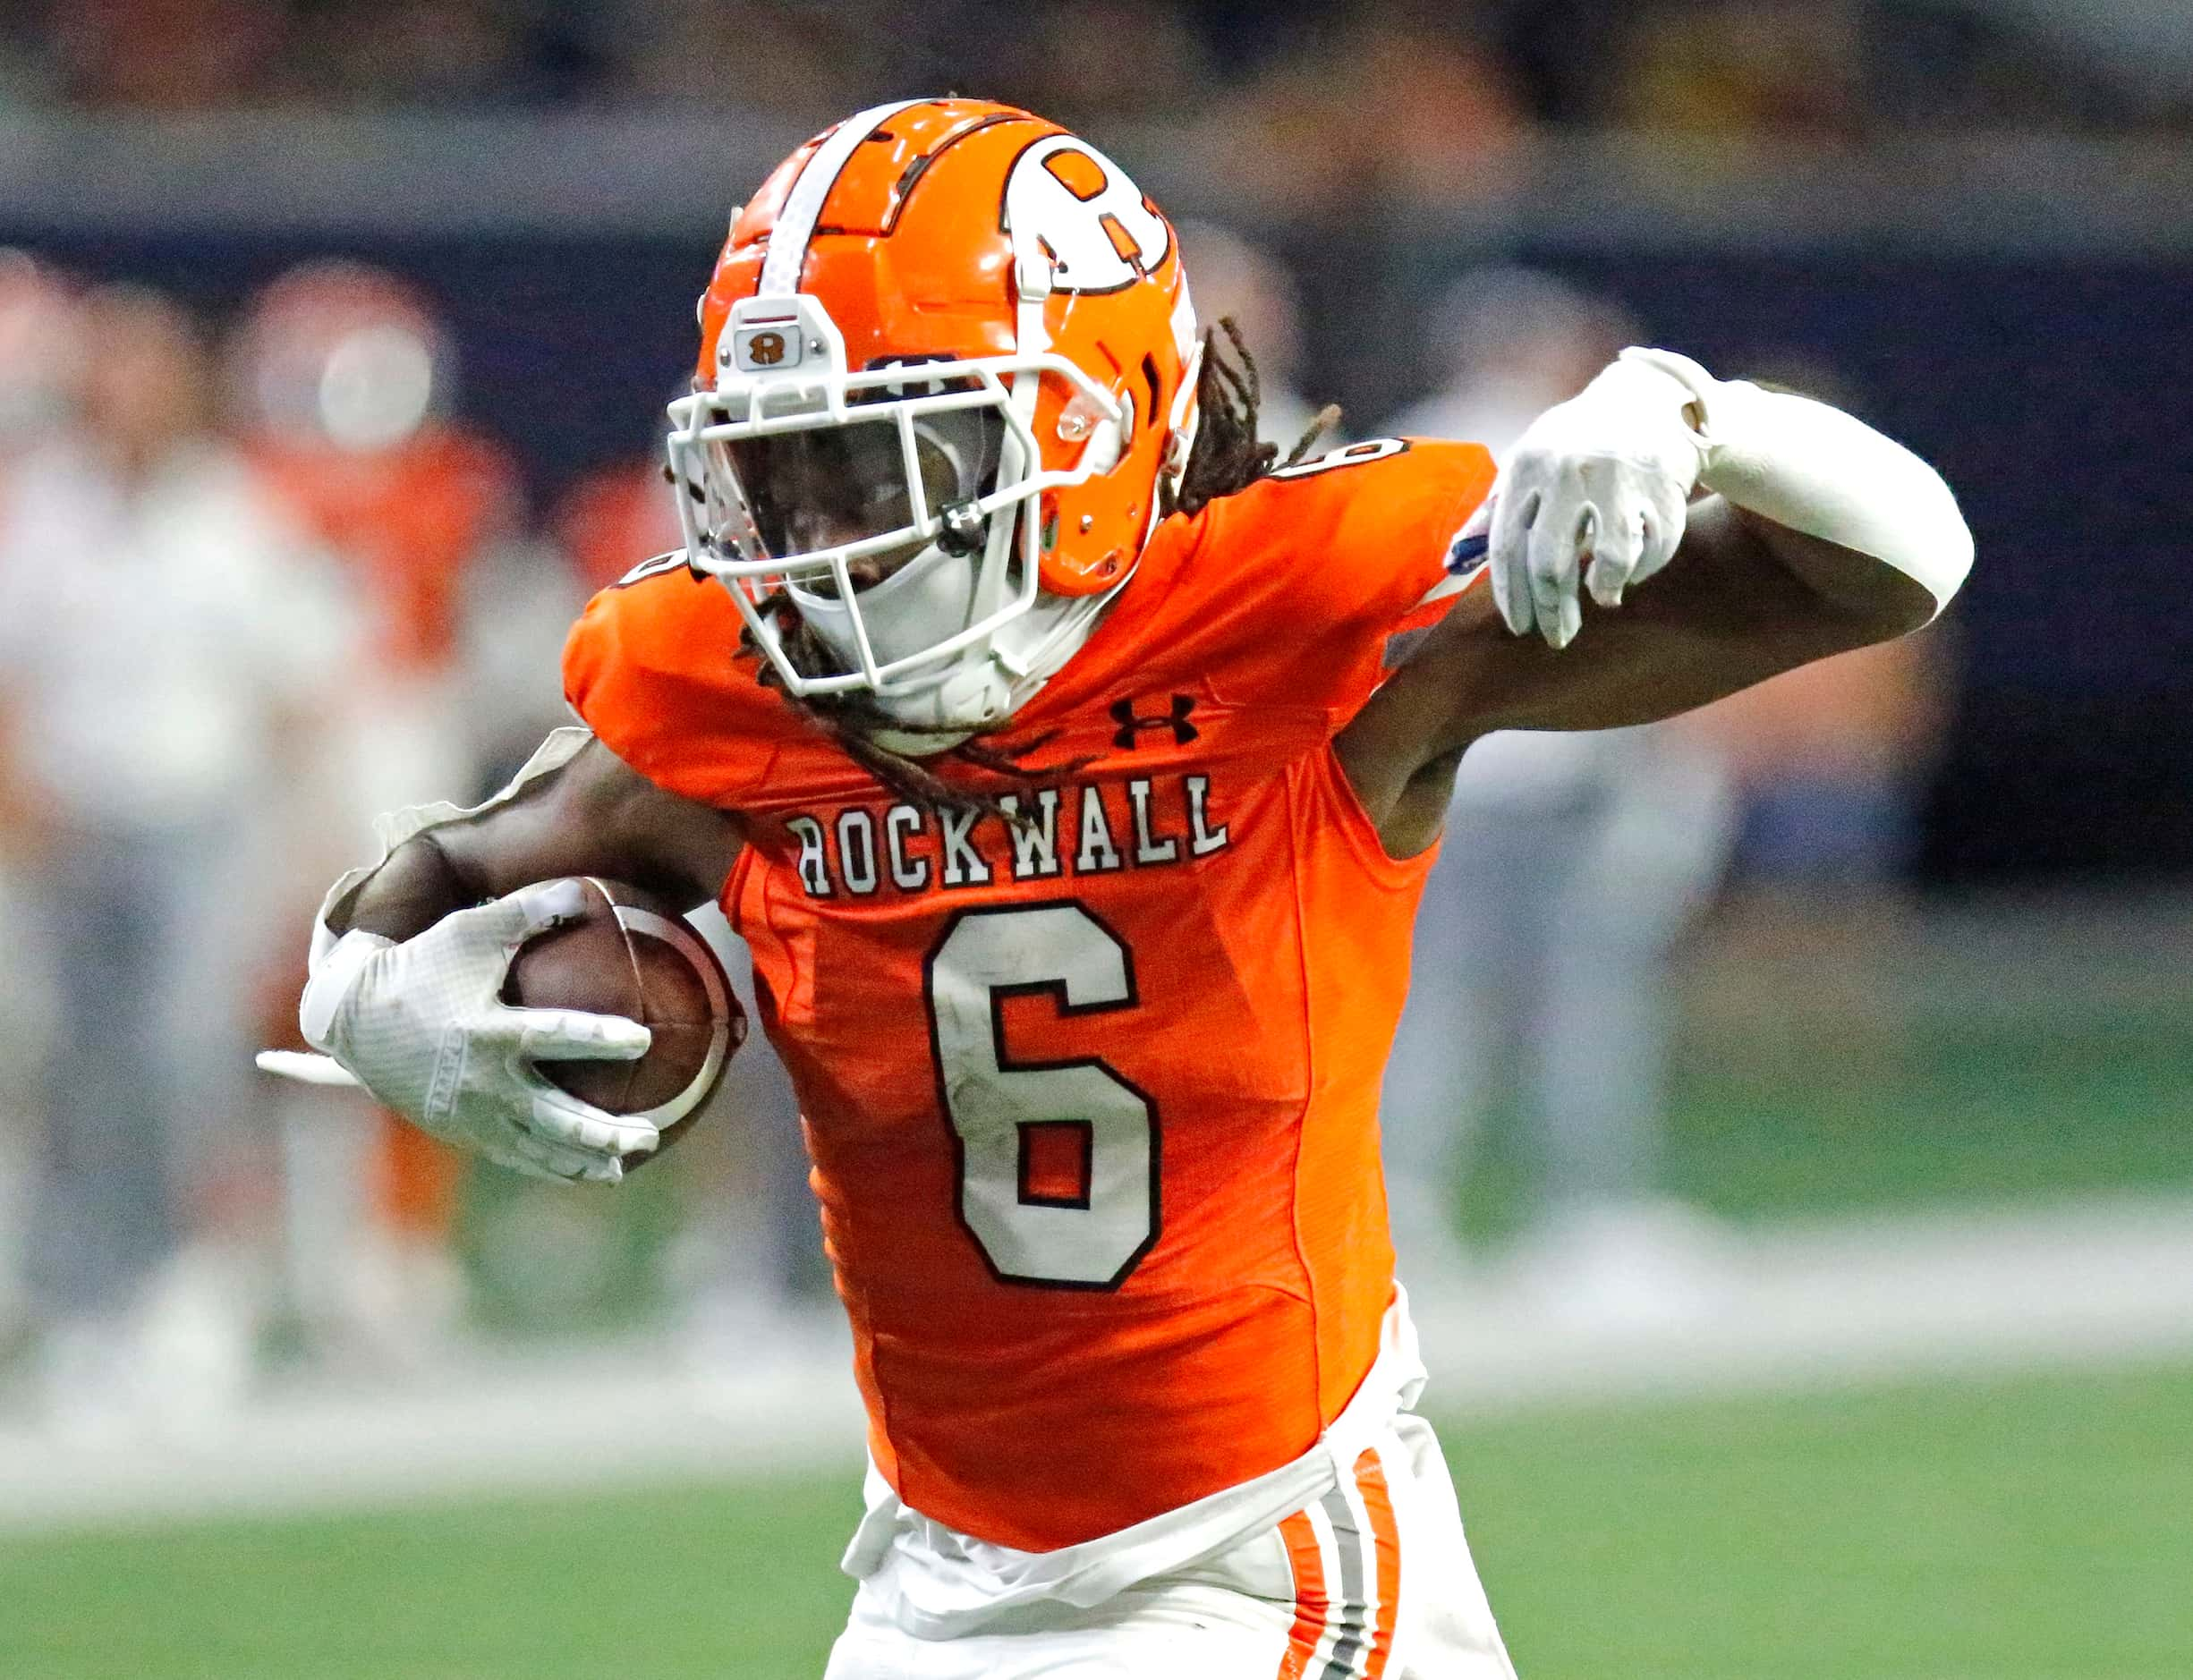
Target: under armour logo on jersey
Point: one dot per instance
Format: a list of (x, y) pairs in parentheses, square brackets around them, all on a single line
[(1131, 726)]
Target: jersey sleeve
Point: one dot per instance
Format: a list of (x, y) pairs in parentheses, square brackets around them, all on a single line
[(650, 667), (1343, 563)]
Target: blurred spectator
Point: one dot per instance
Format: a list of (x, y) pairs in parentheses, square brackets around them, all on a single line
[(420, 52), (164, 651), (1741, 69), (1324, 124), (42, 355), (1571, 864), (1458, 132), (1229, 276), (171, 55), (1066, 63)]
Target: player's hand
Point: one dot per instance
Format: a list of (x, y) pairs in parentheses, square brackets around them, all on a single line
[(1592, 495), (423, 1027)]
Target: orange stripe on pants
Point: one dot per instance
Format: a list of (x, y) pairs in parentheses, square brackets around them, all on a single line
[(1311, 1604), (1386, 1539)]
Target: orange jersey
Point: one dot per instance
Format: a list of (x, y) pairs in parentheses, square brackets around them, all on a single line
[(408, 521), (1091, 1101)]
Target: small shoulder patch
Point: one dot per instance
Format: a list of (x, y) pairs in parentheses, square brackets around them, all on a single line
[(655, 567), (1348, 455)]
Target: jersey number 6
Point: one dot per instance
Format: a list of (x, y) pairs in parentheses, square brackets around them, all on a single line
[(1004, 1111)]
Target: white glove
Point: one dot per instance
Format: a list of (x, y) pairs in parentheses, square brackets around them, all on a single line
[(1593, 494), (1609, 474), (423, 1027)]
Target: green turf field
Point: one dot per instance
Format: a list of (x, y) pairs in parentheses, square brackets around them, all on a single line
[(1964, 1115), (2041, 1529), (1802, 1090)]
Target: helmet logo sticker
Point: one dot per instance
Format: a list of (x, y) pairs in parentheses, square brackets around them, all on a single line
[(1068, 201), (762, 349)]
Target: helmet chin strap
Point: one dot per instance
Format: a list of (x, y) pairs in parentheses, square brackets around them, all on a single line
[(969, 699), (940, 719)]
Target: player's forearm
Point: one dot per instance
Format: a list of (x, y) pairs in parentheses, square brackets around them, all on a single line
[(1866, 525), (415, 889), (465, 860), (588, 815), (1868, 600), (536, 832)]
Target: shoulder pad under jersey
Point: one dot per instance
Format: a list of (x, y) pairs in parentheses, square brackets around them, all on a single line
[(1314, 578), (653, 667)]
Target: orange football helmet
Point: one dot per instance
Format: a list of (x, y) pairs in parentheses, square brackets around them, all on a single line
[(947, 359)]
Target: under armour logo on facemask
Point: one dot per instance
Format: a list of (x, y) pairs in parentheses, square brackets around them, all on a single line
[(1177, 720)]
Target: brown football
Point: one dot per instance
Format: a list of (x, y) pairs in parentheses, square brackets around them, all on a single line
[(633, 955)]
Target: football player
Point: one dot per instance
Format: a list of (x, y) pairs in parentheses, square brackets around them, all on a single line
[(1071, 769)]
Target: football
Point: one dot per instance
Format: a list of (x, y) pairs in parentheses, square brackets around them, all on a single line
[(633, 955)]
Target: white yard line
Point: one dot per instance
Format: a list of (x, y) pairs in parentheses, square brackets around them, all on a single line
[(2095, 1283), (555, 1423)]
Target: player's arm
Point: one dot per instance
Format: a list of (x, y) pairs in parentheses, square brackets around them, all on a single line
[(1817, 534), (590, 815), (410, 957)]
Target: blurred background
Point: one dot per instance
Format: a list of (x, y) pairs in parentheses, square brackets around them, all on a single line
[(1791, 1136)]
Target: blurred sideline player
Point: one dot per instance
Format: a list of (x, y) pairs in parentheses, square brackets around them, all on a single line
[(1571, 864), (1072, 776), (340, 375), (339, 378)]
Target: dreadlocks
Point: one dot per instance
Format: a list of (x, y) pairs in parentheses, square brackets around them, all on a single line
[(1228, 457)]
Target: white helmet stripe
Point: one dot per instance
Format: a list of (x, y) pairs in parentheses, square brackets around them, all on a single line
[(803, 206)]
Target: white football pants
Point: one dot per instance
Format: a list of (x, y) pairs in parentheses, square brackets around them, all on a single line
[(1374, 1581)]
